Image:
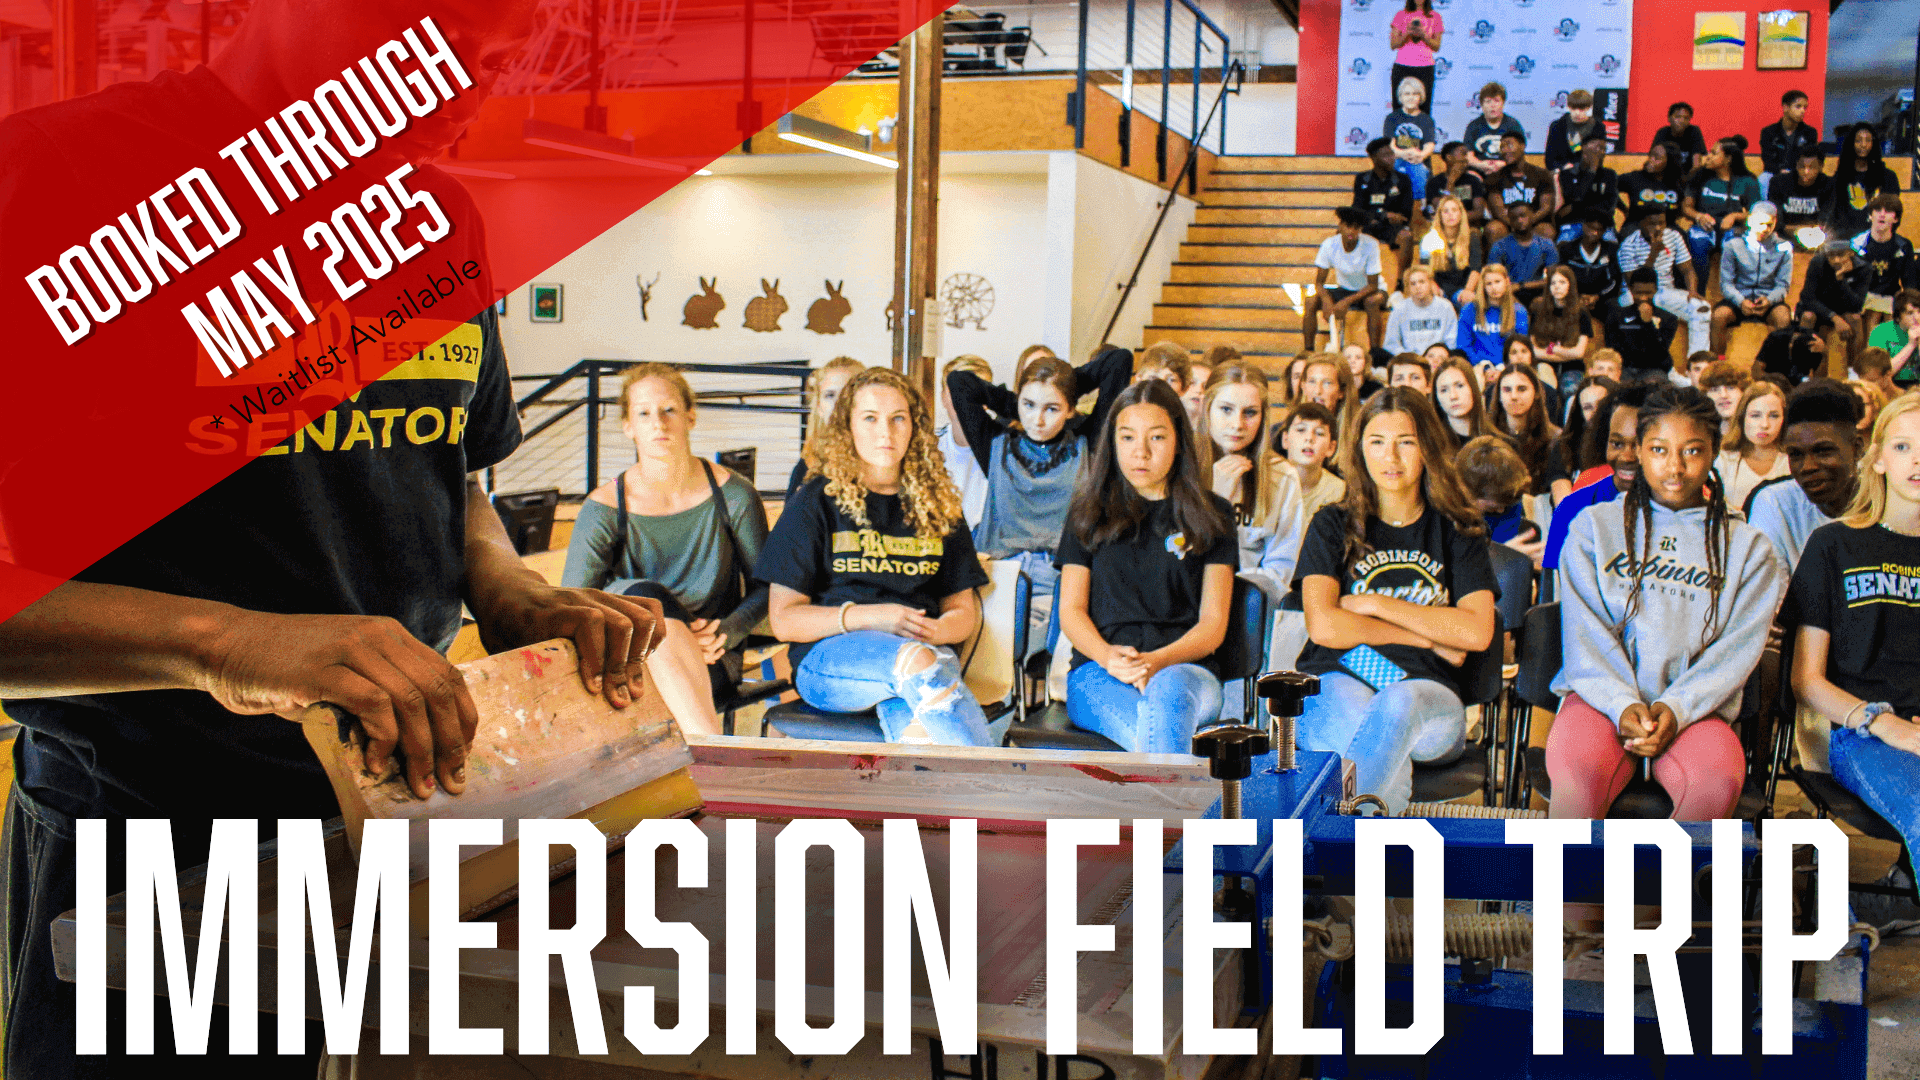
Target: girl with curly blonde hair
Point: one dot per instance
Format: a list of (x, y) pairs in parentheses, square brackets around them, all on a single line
[(872, 573)]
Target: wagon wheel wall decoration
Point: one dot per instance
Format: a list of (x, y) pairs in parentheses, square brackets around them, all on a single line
[(967, 298)]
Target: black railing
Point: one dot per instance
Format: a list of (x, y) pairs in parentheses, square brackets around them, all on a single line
[(592, 371), (1229, 84), (1106, 59)]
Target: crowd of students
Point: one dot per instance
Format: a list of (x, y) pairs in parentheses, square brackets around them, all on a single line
[(1694, 214)]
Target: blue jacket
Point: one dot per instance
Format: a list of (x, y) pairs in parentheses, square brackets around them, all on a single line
[(1751, 269), (1485, 344)]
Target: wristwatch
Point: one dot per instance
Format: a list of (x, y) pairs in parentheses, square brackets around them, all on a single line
[(1870, 712)]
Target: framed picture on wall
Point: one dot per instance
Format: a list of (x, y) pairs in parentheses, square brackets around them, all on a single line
[(1783, 40), (500, 306), (1719, 40), (545, 303)]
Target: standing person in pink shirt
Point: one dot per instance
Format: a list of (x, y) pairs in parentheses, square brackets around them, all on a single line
[(1415, 38)]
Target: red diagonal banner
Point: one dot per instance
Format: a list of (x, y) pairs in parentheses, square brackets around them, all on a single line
[(200, 268)]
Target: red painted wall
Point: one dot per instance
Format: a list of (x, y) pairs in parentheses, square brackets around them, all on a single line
[(1724, 102), (1318, 75)]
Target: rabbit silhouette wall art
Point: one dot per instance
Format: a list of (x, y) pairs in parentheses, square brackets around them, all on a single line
[(702, 309), (763, 312), (825, 316)]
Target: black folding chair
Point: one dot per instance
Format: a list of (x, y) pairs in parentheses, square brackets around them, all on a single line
[(1240, 656)]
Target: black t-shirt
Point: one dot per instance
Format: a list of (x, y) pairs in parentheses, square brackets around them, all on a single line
[(1376, 196), (353, 507), (1408, 132), (1646, 193), (817, 550), (1468, 188), (1801, 206), (1483, 139), (1529, 184), (1586, 190), (1144, 590), (1429, 562), (1862, 586), (1689, 144), (362, 512)]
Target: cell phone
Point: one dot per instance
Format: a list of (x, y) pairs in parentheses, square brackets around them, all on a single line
[(1529, 532)]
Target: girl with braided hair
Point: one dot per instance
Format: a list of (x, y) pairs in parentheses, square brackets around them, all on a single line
[(871, 572), (1667, 601)]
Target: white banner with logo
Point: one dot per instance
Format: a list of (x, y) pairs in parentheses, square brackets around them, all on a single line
[(1540, 50)]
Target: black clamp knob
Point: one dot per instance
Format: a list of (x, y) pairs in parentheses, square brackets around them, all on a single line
[(1230, 750), (1286, 692)]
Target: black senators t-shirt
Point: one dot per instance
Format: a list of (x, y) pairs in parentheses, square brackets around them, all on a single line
[(1801, 206), (1430, 562), (816, 550), (1862, 586), (1144, 590), (361, 511)]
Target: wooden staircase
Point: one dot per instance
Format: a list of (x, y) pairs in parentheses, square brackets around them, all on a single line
[(1260, 221)]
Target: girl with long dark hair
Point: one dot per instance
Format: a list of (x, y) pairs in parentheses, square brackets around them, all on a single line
[(1560, 327), (1569, 457), (872, 574), (1666, 602), (1398, 589), (1718, 196), (1859, 176), (1146, 579), (1520, 413)]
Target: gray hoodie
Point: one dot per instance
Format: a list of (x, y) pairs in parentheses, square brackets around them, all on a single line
[(1664, 659)]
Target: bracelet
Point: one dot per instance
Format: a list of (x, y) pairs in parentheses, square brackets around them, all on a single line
[(844, 608), (1844, 721)]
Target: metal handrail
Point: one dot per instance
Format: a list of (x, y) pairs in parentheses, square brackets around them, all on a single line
[(1201, 23), (1227, 86), (592, 369)]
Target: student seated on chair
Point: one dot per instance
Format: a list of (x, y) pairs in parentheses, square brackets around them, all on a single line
[(1822, 444), (1398, 590), (1664, 612), (682, 531), (823, 390), (1521, 411), (872, 573), (1032, 446), (1146, 580), (1613, 441), (1269, 513), (1854, 601)]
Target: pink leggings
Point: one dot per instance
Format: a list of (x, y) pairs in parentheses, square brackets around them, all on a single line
[(1702, 770)]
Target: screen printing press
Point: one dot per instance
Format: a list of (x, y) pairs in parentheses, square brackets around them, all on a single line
[(542, 736)]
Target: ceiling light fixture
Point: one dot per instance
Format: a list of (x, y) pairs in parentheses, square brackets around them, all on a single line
[(592, 144), (834, 140)]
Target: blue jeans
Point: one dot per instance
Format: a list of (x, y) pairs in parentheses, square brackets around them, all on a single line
[(1383, 733), (1161, 721), (865, 670), (1416, 173), (1887, 778), (1701, 244), (1044, 578), (1572, 230)]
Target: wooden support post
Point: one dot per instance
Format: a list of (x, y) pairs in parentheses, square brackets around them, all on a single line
[(917, 204), (76, 48)]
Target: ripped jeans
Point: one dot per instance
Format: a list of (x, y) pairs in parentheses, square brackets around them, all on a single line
[(868, 669), (1178, 700)]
